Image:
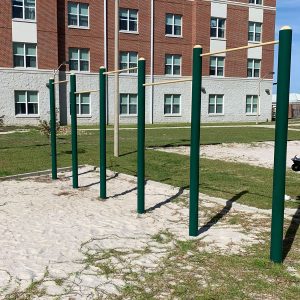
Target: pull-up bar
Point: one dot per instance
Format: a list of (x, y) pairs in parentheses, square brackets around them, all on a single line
[(120, 71), (240, 48), (60, 82), (87, 91), (167, 82)]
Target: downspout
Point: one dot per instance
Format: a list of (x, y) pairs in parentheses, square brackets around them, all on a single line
[(152, 61)]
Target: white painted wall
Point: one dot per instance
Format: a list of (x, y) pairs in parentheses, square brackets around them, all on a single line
[(256, 14), (25, 32), (219, 10)]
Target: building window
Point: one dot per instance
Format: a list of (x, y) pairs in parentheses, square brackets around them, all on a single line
[(83, 104), (254, 32), (128, 60), (26, 103), (217, 28), (173, 64), (79, 59), (128, 20), (257, 2), (216, 66), (128, 104), (23, 9), (216, 103), (24, 55), (172, 104), (173, 25), (251, 104), (253, 68), (78, 15)]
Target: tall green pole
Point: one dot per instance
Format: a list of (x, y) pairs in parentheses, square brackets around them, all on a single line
[(74, 130), (141, 137), (53, 128), (195, 140), (281, 132), (102, 78)]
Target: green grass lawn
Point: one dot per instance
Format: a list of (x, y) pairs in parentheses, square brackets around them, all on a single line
[(26, 152)]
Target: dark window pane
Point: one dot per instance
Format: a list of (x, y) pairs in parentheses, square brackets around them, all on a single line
[(132, 26), (212, 71), (167, 109), (168, 70), (257, 37), (72, 20), (73, 65), (169, 29), (176, 109), (84, 66), (256, 73), (18, 12), (132, 109), (211, 108), (18, 61), (177, 30), (249, 73), (83, 21), (123, 24), (176, 70), (29, 13), (30, 62), (220, 71), (20, 108), (221, 33), (77, 109), (123, 110), (213, 32), (32, 108), (219, 109), (85, 109)]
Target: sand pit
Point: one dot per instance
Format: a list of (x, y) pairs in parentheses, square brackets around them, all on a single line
[(256, 154), (70, 240)]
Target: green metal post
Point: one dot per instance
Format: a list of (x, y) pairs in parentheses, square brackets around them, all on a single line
[(74, 130), (195, 140), (141, 137), (53, 128), (102, 133), (281, 131)]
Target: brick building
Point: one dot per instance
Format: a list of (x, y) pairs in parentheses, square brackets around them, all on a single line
[(37, 36)]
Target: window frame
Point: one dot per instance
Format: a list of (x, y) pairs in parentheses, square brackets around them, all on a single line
[(78, 15), (79, 60), (173, 25), (26, 103), (128, 114), (217, 28), (255, 32), (172, 64), (23, 12), (215, 113), (25, 55), (252, 113), (216, 66), (128, 62), (79, 104), (128, 21), (172, 114), (253, 68)]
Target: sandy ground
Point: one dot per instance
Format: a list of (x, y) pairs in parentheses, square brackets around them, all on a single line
[(257, 154), (48, 230)]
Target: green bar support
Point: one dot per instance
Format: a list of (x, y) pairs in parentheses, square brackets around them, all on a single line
[(53, 128), (281, 133), (195, 141), (102, 79), (141, 137), (74, 130)]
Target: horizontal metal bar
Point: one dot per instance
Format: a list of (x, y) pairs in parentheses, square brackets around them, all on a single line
[(240, 48), (167, 82), (87, 91), (120, 71), (62, 81)]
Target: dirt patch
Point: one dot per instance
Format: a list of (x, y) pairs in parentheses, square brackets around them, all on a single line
[(257, 154)]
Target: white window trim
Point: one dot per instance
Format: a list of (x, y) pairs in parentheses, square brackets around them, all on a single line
[(79, 110), (77, 16), (26, 106), (24, 56), (216, 68), (258, 103), (23, 8), (254, 32), (128, 97), (215, 105), (217, 37), (172, 65), (133, 72), (137, 21), (173, 26), (78, 60), (173, 114), (253, 68)]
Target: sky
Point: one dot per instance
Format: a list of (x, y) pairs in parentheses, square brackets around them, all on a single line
[(288, 13)]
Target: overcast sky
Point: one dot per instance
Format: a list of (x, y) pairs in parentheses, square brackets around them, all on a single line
[(288, 13)]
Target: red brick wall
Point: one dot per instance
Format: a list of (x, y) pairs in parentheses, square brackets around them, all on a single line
[(82, 38), (268, 51), (236, 35), (6, 55), (46, 13), (270, 3)]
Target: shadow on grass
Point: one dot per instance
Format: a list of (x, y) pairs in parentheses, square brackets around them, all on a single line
[(291, 233), (225, 210), (170, 199), (79, 151)]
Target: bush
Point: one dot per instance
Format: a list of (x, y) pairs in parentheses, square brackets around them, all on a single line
[(45, 128)]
